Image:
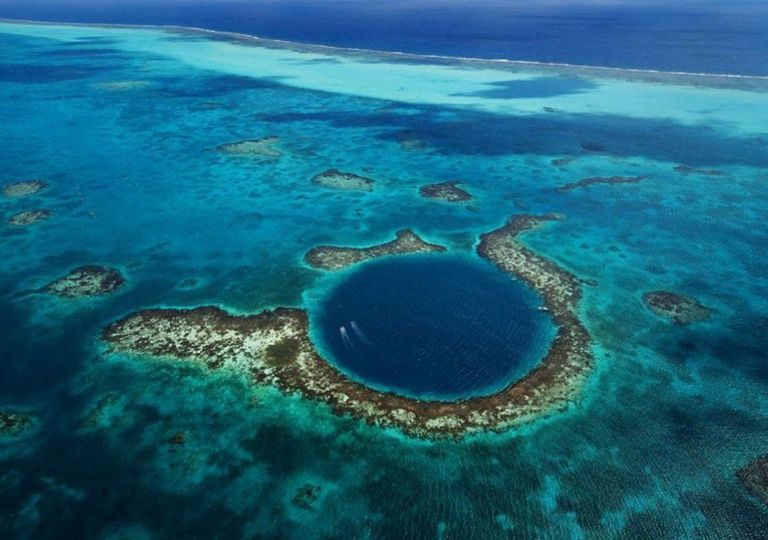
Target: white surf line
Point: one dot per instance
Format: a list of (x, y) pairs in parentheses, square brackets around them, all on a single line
[(308, 47)]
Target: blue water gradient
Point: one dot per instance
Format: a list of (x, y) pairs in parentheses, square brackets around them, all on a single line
[(703, 36), (123, 127)]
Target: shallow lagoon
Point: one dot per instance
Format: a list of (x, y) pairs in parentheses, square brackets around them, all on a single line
[(123, 124)]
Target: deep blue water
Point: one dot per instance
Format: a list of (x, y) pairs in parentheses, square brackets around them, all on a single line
[(693, 36), (435, 326)]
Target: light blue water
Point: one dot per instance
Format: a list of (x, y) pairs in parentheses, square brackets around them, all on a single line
[(650, 450)]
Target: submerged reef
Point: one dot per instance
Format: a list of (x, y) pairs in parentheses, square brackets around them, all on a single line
[(411, 143), (178, 438), (336, 258), (593, 147), (273, 347), (334, 178), (122, 86), (306, 496), (678, 307), (755, 477), (13, 423), (23, 189), (445, 191), (685, 169), (103, 409), (188, 284), (562, 163), (264, 147), (29, 217), (586, 182), (87, 280)]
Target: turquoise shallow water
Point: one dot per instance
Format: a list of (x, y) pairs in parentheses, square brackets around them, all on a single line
[(121, 123)]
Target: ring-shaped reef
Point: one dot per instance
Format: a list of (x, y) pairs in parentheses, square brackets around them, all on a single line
[(432, 327), (273, 347)]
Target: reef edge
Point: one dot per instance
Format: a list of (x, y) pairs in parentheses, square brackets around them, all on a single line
[(273, 347)]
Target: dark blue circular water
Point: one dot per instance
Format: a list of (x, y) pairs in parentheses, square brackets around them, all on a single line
[(432, 326)]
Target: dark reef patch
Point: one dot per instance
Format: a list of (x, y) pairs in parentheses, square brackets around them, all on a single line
[(281, 352), (84, 281), (755, 477), (685, 169), (445, 191), (306, 496), (14, 423), (680, 308), (592, 147), (336, 258), (178, 438), (562, 163), (587, 182)]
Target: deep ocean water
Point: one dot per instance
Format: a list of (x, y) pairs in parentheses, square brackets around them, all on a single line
[(122, 124), (433, 327)]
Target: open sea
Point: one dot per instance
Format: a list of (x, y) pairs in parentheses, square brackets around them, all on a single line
[(656, 162)]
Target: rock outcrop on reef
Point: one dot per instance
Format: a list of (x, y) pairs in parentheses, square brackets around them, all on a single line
[(755, 477), (336, 179), (306, 496), (29, 217), (23, 189), (14, 423), (680, 308), (586, 182), (445, 191), (265, 147), (87, 280), (336, 257), (273, 347)]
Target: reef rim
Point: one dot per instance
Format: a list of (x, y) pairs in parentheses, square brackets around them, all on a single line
[(273, 347)]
